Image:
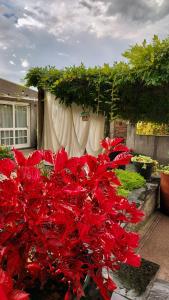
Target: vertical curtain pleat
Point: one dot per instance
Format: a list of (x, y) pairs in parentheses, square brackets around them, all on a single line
[(63, 127)]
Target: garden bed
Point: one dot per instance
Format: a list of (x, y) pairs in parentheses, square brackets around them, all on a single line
[(146, 198), (132, 282)]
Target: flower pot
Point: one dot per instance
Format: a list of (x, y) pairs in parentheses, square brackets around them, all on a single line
[(144, 169), (164, 193), (85, 115), (85, 118), (112, 156)]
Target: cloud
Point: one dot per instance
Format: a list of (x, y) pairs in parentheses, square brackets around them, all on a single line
[(29, 22), (24, 63), (70, 31), (11, 62), (139, 10), (114, 18)]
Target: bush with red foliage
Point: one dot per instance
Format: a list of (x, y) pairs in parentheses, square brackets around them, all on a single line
[(6, 288), (67, 224)]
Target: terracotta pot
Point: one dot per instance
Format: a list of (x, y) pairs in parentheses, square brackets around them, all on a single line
[(164, 193)]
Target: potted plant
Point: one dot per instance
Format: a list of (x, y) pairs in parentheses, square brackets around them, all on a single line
[(85, 115), (144, 165), (164, 189)]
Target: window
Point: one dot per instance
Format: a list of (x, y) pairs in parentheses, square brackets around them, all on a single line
[(15, 124)]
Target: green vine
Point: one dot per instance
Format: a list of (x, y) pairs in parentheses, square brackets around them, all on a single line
[(136, 90)]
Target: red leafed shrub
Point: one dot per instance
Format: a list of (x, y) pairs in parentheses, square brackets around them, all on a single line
[(65, 225), (6, 288)]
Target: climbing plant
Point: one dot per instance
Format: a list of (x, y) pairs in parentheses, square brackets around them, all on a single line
[(137, 89), (88, 87)]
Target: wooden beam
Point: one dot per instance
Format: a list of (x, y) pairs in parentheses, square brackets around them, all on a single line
[(40, 117)]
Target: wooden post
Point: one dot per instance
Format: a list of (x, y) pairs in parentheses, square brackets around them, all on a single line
[(107, 125), (40, 117)]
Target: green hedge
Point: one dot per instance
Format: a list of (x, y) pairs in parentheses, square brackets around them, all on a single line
[(136, 90)]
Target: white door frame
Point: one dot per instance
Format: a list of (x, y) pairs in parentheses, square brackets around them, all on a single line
[(13, 104)]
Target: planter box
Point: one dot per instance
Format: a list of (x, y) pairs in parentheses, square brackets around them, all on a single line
[(147, 199)]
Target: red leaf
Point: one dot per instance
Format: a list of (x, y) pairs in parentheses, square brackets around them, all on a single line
[(29, 174), (132, 239), (34, 269), (6, 166), (122, 159), (116, 141), (6, 281), (3, 295), (60, 160), (68, 295), (48, 156), (19, 157), (108, 143), (111, 285), (18, 295), (133, 259), (13, 263), (35, 158), (105, 143), (103, 290), (121, 147)]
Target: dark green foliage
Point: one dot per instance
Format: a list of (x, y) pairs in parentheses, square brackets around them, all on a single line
[(137, 90), (88, 87), (5, 152)]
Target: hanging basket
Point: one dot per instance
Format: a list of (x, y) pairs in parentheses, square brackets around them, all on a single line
[(85, 115)]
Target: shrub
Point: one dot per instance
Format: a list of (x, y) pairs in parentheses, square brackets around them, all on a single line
[(65, 225), (5, 152), (130, 181)]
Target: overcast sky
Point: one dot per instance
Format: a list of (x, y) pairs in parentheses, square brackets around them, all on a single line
[(63, 33)]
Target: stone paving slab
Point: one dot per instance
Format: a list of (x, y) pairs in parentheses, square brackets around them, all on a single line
[(158, 291), (156, 247)]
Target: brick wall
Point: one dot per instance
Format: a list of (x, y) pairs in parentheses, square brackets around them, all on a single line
[(118, 128)]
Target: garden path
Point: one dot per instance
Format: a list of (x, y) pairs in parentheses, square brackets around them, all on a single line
[(154, 246)]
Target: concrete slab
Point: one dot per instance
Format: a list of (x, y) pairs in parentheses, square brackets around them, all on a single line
[(155, 247), (159, 290)]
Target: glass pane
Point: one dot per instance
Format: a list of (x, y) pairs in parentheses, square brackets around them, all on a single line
[(7, 133), (7, 142), (20, 116), (20, 140), (6, 116), (6, 137)]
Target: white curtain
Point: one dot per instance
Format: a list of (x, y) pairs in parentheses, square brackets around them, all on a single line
[(6, 116), (20, 116), (63, 127)]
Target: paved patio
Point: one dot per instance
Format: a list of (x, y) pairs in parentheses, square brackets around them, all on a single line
[(154, 246)]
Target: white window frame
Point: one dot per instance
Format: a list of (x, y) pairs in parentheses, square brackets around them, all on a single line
[(13, 104)]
